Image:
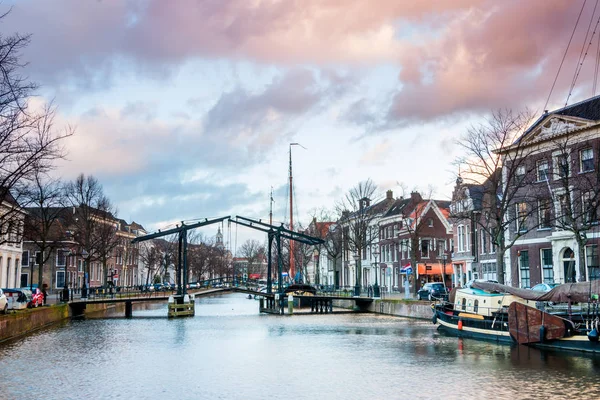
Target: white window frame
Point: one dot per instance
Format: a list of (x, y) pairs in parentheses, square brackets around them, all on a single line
[(23, 262), (518, 217), (56, 278), (537, 170), (556, 156), (581, 170), (65, 257)]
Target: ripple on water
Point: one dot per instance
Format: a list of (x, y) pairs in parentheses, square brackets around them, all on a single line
[(229, 351)]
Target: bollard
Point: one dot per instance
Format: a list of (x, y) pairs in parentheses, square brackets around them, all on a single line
[(290, 304)]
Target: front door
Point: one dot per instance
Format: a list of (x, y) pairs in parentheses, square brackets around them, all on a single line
[(569, 266)]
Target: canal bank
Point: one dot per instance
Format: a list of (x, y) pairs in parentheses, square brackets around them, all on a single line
[(24, 322), (396, 307)]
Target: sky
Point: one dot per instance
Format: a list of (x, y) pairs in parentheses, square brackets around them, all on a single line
[(186, 109)]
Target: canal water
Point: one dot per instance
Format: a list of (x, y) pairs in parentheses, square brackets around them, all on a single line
[(229, 351)]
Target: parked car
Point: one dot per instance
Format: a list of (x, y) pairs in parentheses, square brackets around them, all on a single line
[(544, 287), (37, 298), (18, 298), (433, 291), (3, 302)]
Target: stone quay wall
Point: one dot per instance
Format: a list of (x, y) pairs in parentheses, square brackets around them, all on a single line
[(396, 307)]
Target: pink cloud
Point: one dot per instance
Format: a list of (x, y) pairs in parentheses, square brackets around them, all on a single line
[(456, 56)]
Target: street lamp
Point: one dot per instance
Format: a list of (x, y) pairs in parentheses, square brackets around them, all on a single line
[(31, 264), (376, 292), (316, 268), (356, 285), (84, 288)]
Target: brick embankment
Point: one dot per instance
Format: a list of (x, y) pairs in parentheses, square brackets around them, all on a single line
[(24, 322), (396, 307)]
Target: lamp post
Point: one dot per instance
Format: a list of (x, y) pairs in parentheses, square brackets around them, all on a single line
[(356, 285), (316, 268), (444, 257), (84, 288), (31, 264), (376, 292)]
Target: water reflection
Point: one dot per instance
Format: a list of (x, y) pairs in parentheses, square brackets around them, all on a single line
[(228, 351)]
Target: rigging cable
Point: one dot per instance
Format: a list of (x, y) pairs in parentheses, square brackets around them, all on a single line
[(565, 55), (596, 67), (582, 59)]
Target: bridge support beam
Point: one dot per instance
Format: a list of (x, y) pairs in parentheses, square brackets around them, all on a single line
[(128, 309), (321, 305)]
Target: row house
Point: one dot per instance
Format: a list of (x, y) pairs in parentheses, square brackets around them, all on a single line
[(474, 252), (359, 268), (561, 241), (423, 223), (11, 241), (320, 268), (64, 260), (398, 225)]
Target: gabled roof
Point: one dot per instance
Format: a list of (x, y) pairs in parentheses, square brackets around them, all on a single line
[(8, 197), (586, 110), (397, 207)]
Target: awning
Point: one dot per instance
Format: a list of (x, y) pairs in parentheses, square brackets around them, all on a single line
[(433, 269), (254, 276)]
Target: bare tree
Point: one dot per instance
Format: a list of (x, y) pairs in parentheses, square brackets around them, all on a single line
[(44, 223), (575, 191), (357, 218), (253, 251), (151, 257), (29, 143), (413, 224), (93, 221), (493, 158)]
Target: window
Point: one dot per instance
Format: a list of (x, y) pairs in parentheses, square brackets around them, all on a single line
[(544, 214), (562, 166), (524, 267), (564, 209), (60, 279), (61, 258), (38, 257), (542, 170), (591, 258), (589, 208), (520, 174), (441, 247), (461, 238), (547, 268), (484, 245), (489, 271), (25, 259), (425, 248), (80, 265), (521, 217), (430, 222), (476, 306), (586, 158)]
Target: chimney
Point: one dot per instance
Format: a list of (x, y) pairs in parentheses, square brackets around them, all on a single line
[(415, 196), (389, 195)]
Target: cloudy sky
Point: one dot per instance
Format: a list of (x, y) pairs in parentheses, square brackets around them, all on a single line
[(185, 109)]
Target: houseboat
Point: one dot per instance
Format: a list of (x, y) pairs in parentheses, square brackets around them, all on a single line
[(567, 317)]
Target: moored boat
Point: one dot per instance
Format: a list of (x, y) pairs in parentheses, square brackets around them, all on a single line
[(567, 317)]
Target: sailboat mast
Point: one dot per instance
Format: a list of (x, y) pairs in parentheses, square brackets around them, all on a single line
[(292, 263), (271, 208)]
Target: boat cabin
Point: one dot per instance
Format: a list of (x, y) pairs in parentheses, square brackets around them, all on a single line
[(479, 302)]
